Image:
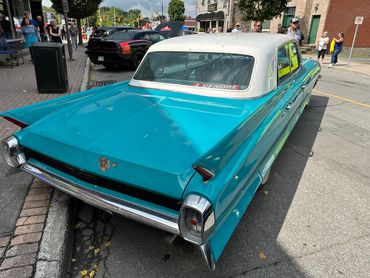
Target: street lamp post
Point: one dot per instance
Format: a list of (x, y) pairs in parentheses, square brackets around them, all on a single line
[(10, 18), (65, 11)]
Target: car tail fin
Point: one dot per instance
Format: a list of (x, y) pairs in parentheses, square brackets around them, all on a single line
[(14, 121)]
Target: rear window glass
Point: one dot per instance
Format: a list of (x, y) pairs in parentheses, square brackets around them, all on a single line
[(210, 70), (99, 33), (122, 35)]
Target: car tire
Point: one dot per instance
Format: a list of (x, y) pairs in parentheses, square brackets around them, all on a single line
[(136, 59)]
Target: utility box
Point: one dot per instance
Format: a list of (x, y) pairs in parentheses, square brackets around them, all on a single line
[(50, 64)]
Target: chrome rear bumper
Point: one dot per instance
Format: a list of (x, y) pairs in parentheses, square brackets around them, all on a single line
[(157, 219)]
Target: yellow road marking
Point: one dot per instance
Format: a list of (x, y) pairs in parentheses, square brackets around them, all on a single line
[(342, 98)]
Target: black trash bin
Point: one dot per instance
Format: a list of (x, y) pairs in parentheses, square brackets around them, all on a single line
[(50, 64)]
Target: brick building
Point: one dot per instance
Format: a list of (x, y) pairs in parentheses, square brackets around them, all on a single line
[(334, 16), (316, 16)]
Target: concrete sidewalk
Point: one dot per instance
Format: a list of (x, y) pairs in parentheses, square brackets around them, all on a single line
[(25, 202), (358, 65)]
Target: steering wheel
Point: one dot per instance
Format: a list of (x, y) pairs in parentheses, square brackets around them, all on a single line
[(220, 62)]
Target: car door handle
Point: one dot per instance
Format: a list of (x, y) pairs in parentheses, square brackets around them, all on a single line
[(305, 85), (288, 107)]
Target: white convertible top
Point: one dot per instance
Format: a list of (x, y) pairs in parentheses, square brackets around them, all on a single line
[(238, 43), (262, 46)]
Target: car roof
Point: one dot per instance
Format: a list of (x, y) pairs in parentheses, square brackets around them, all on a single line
[(113, 27), (254, 44)]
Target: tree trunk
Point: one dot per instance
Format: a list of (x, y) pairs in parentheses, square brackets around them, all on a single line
[(79, 31)]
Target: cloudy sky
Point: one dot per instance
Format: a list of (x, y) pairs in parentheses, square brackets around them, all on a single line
[(147, 7)]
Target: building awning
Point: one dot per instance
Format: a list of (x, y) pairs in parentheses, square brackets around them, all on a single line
[(211, 16)]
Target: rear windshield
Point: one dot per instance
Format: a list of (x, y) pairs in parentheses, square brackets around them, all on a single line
[(122, 35), (210, 70), (100, 32)]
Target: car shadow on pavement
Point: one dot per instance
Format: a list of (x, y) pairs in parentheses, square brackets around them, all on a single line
[(118, 247)]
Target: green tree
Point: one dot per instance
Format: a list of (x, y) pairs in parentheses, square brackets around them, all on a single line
[(53, 12), (78, 9), (260, 10), (176, 10)]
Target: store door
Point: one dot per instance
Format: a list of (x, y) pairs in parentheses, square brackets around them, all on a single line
[(313, 30)]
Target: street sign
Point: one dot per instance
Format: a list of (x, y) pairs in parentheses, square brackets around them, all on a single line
[(359, 20), (65, 6)]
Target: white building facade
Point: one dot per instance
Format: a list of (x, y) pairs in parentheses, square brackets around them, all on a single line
[(217, 14)]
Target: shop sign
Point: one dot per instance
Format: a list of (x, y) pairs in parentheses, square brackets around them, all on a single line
[(212, 7)]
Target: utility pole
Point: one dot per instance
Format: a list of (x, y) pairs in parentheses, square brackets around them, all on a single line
[(65, 11), (10, 18), (162, 18), (114, 16), (99, 17)]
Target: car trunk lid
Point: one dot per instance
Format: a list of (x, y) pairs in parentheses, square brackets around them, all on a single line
[(148, 140)]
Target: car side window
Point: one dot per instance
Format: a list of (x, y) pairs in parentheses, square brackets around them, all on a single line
[(155, 37), (142, 36), (283, 63), (294, 57)]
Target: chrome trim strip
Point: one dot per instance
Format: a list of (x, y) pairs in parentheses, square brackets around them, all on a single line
[(157, 219), (207, 255)]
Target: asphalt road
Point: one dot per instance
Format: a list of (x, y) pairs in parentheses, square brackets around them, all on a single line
[(311, 219)]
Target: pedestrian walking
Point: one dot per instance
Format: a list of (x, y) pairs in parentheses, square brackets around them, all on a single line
[(322, 46), (90, 32), (63, 32), (337, 49), (73, 31), (83, 32), (30, 34), (26, 14), (55, 32), (293, 30), (5, 30), (41, 25), (237, 28)]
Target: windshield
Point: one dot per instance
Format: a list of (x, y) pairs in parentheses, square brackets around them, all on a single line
[(211, 70), (100, 33), (122, 35)]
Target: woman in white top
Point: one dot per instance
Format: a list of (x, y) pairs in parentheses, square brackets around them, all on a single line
[(322, 46)]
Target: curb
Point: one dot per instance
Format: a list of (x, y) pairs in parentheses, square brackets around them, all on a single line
[(351, 69), (85, 79), (53, 259), (54, 246)]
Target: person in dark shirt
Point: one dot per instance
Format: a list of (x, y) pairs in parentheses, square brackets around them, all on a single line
[(41, 25), (5, 27)]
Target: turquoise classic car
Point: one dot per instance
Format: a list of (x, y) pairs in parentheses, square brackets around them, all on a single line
[(184, 145)]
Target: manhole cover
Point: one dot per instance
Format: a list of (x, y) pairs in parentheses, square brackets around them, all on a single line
[(100, 83)]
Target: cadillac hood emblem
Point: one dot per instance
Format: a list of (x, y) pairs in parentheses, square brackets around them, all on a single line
[(104, 164)]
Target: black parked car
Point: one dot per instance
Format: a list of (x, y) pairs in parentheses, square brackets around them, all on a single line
[(122, 48), (104, 32), (173, 29)]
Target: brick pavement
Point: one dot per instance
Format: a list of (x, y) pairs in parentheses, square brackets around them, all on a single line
[(18, 86), (18, 252)]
